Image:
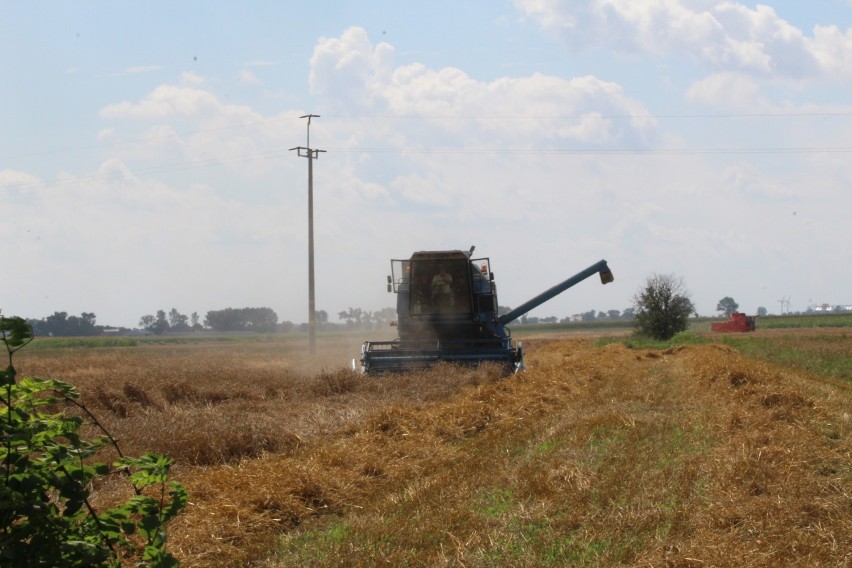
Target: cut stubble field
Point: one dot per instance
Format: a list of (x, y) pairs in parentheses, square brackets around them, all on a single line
[(687, 455)]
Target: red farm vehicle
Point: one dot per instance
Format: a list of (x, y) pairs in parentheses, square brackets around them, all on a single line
[(738, 321)]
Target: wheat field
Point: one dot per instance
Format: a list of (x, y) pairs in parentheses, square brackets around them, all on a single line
[(692, 455)]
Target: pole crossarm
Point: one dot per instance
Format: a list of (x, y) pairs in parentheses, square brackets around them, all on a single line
[(305, 152)]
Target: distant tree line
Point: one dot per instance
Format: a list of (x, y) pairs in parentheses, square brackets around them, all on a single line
[(591, 315), (243, 319), (264, 320), (359, 318), (60, 324), (173, 321), (364, 319), (230, 319)]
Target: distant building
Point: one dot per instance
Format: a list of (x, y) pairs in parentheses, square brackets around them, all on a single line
[(829, 308)]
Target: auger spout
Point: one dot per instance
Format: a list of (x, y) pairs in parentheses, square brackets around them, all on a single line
[(599, 267)]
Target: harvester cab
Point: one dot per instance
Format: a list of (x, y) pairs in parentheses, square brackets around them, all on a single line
[(447, 310)]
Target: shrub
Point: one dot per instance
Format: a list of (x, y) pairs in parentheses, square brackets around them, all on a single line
[(662, 307), (46, 515)]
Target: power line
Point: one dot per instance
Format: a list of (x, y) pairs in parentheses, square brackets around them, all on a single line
[(587, 116), (597, 151), (520, 152), (144, 139), (592, 114), (150, 170)]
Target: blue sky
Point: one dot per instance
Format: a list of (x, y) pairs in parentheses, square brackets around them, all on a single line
[(145, 163)]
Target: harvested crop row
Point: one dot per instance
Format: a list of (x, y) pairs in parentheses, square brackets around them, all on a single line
[(691, 456)]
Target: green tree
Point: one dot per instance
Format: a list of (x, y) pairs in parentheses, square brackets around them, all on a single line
[(242, 319), (161, 325), (727, 305), (178, 321), (384, 316), (761, 311), (86, 324), (354, 316), (147, 322), (260, 319), (662, 307)]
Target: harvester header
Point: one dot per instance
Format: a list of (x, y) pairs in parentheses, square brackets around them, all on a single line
[(447, 310)]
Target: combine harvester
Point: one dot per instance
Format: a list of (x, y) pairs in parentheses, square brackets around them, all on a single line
[(447, 311), (737, 321)]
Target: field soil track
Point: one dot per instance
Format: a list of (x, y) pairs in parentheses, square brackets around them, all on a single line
[(691, 456)]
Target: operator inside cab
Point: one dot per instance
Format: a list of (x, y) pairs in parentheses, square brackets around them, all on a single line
[(442, 290), (440, 286)]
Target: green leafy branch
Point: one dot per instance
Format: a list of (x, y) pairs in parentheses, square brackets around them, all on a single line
[(48, 469)]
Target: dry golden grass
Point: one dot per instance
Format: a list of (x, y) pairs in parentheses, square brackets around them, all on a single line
[(692, 456)]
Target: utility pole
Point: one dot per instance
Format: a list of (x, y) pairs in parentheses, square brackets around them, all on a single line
[(311, 155)]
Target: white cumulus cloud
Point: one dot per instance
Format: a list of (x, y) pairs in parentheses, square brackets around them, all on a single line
[(727, 35)]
